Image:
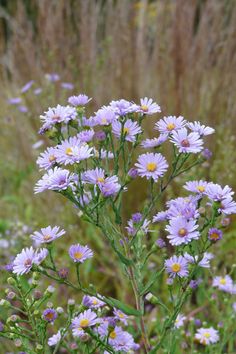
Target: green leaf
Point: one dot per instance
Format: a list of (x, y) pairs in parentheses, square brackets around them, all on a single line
[(152, 280), (123, 259), (123, 307)]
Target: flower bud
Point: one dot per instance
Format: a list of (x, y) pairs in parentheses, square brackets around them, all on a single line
[(11, 281), (59, 310), (11, 295), (37, 294), (5, 303), (50, 289), (18, 342), (36, 275)]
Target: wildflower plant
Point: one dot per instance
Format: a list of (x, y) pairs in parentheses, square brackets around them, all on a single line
[(92, 162)]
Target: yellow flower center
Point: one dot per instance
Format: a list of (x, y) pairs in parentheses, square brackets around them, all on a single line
[(84, 322), (120, 314), (78, 255), (222, 281), (95, 302), (201, 188), (214, 236), (104, 120), (100, 179), (144, 107), (69, 151), (151, 166), (112, 335), (206, 334), (182, 232), (47, 237), (126, 130), (170, 126), (176, 267), (52, 158)]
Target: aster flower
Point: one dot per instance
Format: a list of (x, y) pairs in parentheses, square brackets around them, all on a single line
[(202, 130), (22, 109), (53, 77), (187, 143), (53, 340), (133, 223), (80, 100), (67, 85), (92, 302), (14, 100), (204, 262), (227, 206), (121, 316), (151, 165), (224, 283), (47, 159), (161, 216), (185, 207), (79, 253), (110, 186), (56, 179), (196, 186), (207, 336), (25, 260), (86, 135), (37, 91), (152, 143), (179, 322), (105, 116), (182, 231), (95, 176), (215, 234), (148, 106), (169, 124), (130, 130), (123, 107), (85, 319), (120, 340), (160, 243), (133, 173), (47, 234), (176, 266), (50, 315), (206, 154), (27, 86), (217, 193), (72, 150), (58, 114)]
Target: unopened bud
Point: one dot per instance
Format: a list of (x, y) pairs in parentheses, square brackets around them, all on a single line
[(11, 281)]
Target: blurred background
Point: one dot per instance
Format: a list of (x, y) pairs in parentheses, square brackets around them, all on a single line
[(182, 53)]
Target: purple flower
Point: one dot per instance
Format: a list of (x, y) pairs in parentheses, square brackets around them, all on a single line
[(227, 206), (130, 130), (137, 217), (14, 100), (47, 159), (92, 302), (25, 260), (202, 130), (123, 107), (132, 228), (58, 114), (206, 154), (176, 266), (50, 315), (215, 234), (169, 124), (103, 154), (1, 327), (63, 273), (86, 319), (194, 284), (120, 340), (100, 135), (86, 136), (53, 77), (27, 86), (198, 322), (133, 173), (160, 243), (47, 234), (185, 207), (110, 186), (56, 179), (207, 336), (151, 165), (37, 91), (161, 216), (53, 340), (196, 186), (187, 143), (22, 109), (96, 176), (79, 253), (105, 116), (121, 316), (204, 262), (80, 100), (182, 231), (217, 193), (179, 322), (151, 143), (67, 85), (148, 106), (224, 283)]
